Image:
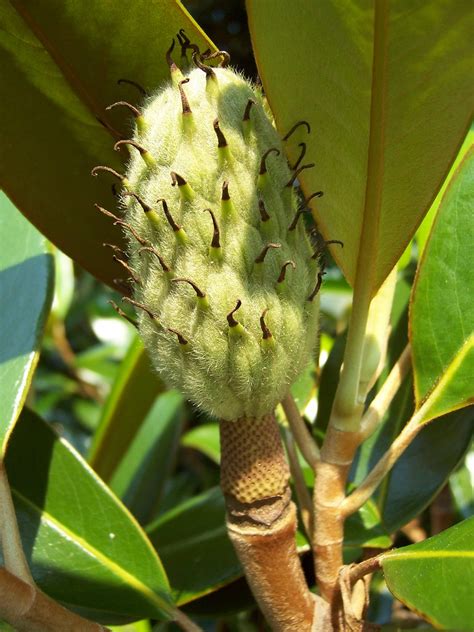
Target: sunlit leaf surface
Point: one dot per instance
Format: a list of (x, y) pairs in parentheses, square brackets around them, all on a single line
[(442, 311), (26, 287), (83, 546), (435, 577)]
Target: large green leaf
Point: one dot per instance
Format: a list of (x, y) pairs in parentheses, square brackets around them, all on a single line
[(231, 599), (26, 280), (424, 229), (192, 541), (435, 577), (132, 396), (83, 547), (442, 311), (60, 61), (142, 472), (372, 79), (423, 468)]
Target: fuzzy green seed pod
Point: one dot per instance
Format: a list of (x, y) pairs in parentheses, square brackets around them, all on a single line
[(224, 267)]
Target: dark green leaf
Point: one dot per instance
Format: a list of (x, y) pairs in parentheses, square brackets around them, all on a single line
[(424, 230), (26, 289), (435, 577), (423, 468), (328, 382), (231, 599), (193, 544), (132, 396), (84, 548), (141, 474)]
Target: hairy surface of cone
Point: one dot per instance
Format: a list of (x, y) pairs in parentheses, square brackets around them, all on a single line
[(229, 372)]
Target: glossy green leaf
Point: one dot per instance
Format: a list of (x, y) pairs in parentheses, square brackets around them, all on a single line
[(231, 599), (193, 544), (61, 61), (132, 396), (442, 310), (142, 472), (204, 438), (83, 547), (435, 577), (423, 468), (371, 78), (26, 288)]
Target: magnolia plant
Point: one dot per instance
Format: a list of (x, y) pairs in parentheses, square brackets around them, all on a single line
[(229, 199)]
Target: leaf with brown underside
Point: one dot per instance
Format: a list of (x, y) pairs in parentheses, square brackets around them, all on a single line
[(60, 63), (387, 89)]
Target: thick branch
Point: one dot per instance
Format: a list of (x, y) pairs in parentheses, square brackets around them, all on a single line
[(261, 520), (329, 494), (28, 609)]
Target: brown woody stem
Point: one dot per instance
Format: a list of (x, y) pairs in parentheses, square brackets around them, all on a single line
[(261, 520), (332, 470), (27, 609)]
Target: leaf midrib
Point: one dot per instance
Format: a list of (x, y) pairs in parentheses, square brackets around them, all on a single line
[(397, 557), (368, 242)]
